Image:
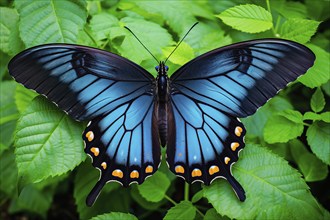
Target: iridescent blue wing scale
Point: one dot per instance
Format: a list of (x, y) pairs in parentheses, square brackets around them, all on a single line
[(111, 91), (211, 91)]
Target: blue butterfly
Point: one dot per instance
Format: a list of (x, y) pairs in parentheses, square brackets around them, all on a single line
[(194, 112)]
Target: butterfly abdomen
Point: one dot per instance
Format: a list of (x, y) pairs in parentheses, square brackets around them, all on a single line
[(162, 122)]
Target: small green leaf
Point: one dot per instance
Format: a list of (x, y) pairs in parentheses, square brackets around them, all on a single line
[(312, 116), (8, 114), (23, 97), (310, 166), (198, 196), (212, 214), (182, 55), (300, 30), (115, 216), (247, 18), (183, 210), (48, 143), (320, 72), (143, 202), (317, 101), (291, 9), (325, 116), (154, 188), (318, 138), (284, 126), (9, 37), (270, 184), (50, 21)]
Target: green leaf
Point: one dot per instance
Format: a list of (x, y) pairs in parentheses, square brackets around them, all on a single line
[(8, 174), (48, 142), (270, 184), (198, 196), (8, 114), (156, 36), (325, 116), (212, 214), (320, 72), (317, 101), (101, 25), (300, 30), (143, 202), (154, 188), (291, 9), (50, 21), (182, 55), (9, 37), (247, 18), (23, 97), (255, 123), (84, 181), (33, 200), (115, 216), (319, 11), (312, 116), (326, 86), (318, 138), (310, 166), (284, 126), (183, 210)]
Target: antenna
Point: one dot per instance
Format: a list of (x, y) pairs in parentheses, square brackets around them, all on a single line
[(181, 40), (142, 44)]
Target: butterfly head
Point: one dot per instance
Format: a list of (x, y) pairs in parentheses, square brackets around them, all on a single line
[(161, 68)]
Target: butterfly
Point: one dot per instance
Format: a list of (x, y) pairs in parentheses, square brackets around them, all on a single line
[(194, 113)]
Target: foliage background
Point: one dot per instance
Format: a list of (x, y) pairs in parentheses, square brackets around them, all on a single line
[(284, 167)]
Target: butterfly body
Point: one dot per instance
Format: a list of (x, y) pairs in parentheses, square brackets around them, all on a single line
[(194, 113)]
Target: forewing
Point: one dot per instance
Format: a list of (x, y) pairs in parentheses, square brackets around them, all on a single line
[(84, 82), (240, 78)]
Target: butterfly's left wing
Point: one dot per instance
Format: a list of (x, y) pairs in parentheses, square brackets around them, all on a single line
[(211, 91), (113, 93)]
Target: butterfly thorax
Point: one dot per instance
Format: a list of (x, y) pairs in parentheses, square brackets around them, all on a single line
[(162, 101)]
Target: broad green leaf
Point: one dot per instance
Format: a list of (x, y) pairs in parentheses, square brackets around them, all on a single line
[(317, 101), (318, 11), (318, 138), (291, 9), (48, 143), (50, 21), (33, 200), (212, 214), (325, 116), (300, 30), (247, 18), (179, 15), (312, 116), (255, 123), (115, 216), (284, 126), (84, 181), (154, 188), (182, 55), (270, 184), (310, 166), (101, 25), (23, 97), (183, 210), (8, 174), (326, 87), (8, 114), (3, 64), (9, 37), (153, 34), (320, 72)]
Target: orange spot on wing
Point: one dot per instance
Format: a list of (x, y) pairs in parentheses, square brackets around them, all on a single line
[(104, 165), (238, 131), (213, 169), (149, 169), (134, 174), (234, 146), (196, 172), (179, 169), (118, 173), (90, 136), (95, 151), (227, 159)]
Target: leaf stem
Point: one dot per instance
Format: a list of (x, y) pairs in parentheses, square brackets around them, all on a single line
[(169, 199), (199, 212), (268, 8), (277, 25), (186, 191), (90, 36)]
